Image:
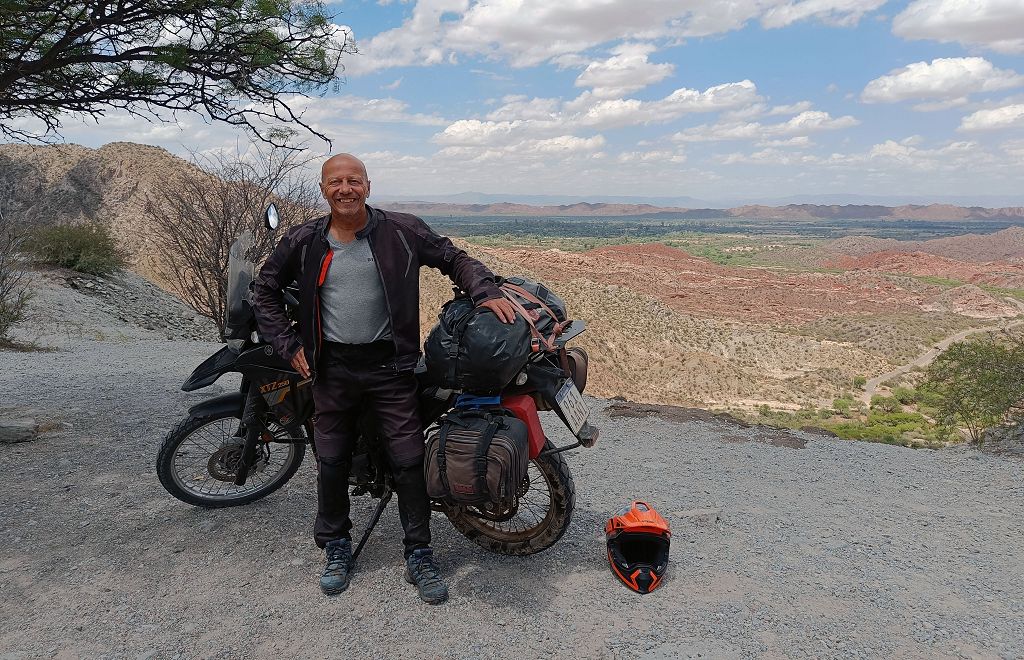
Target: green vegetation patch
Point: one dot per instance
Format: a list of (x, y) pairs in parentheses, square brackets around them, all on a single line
[(87, 248), (887, 420)]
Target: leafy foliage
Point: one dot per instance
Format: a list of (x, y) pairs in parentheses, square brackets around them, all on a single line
[(233, 60), (978, 383), (87, 248)]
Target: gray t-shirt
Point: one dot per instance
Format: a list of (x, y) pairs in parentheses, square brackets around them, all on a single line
[(352, 301)]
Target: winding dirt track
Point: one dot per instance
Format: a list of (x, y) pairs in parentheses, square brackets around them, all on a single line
[(923, 360)]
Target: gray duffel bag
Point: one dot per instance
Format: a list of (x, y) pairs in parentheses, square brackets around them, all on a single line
[(477, 457)]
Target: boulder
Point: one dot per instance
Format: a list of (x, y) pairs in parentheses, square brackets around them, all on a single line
[(14, 430)]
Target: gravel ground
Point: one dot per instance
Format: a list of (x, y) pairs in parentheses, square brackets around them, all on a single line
[(784, 545)]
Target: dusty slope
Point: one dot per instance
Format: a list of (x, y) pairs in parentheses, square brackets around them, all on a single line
[(68, 183), (1006, 245), (995, 273), (833, 549)]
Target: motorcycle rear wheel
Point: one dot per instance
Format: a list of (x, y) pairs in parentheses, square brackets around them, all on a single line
[(195, 462), (544, 513)]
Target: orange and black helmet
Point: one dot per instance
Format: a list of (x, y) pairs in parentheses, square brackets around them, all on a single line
[(638, 539)]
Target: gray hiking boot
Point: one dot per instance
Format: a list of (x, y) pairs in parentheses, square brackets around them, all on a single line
[(421, 571), (337, 572)]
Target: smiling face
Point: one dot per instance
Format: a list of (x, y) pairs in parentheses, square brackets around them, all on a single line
[(345, 186)]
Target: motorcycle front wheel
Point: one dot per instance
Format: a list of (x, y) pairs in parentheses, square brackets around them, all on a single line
[(546, 501), (198, 461)]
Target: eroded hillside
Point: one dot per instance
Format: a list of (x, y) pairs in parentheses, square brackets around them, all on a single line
[(665, 326)]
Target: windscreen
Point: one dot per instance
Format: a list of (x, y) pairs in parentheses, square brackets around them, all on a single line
[(238, 313)]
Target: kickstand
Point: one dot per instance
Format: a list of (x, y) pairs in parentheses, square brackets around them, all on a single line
[(384, 499)]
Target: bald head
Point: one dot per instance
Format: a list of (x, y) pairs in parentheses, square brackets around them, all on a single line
[(345, 161), (345, 186)]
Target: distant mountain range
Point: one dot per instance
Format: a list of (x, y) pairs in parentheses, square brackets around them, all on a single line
[(788, 212), (986, 201)]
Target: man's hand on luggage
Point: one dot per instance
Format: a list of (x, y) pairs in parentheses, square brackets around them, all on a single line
[(299, 363), (502, 308)]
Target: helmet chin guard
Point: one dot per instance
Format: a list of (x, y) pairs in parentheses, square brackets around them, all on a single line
[(638, 544)]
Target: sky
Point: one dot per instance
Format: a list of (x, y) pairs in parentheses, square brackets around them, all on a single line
[(654, 98)]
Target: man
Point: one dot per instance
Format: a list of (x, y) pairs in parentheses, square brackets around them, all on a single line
[(358, 335)]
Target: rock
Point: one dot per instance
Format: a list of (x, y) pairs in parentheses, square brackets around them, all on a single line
[(17, 430), (817, 430)]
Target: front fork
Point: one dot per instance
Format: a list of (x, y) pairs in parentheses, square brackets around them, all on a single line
[(253, 415)]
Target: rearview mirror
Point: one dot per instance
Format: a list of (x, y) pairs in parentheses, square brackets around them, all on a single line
[(271, 218)]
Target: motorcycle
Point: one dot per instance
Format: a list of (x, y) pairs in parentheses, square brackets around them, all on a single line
[(241, 446)]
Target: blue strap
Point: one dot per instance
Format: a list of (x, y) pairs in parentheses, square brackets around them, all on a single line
[(474, 401)]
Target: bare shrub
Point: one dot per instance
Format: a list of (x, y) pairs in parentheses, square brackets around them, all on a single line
[(14, 293), (197, 216)]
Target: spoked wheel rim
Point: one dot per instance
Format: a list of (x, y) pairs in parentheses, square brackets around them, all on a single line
[(535, 511), (204, 462)]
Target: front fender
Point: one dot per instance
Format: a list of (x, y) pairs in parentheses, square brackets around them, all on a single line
[(211, 369), (219, 406)]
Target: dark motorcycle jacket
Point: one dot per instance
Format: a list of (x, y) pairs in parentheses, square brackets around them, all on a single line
[(400, 243)]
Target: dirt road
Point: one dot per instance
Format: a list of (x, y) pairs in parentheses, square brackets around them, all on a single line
[(926, 358)]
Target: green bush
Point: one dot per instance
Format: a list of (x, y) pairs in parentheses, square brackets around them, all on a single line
[(859, 382), (886, 404), (843, 405), (904, 395), (87, 248), (978, 383)]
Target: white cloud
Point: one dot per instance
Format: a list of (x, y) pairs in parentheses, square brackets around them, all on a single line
[(890, 160), (802, 125), (357, 108), (949, 78), (933, 106), (628, 70), (528, 32), (520, 117), (792, 109), (833, 12), (417, 41), (904, 153), (996, 118), (797, 142), (995, 24), (814, 121), (473, 132), (611, 113), (392, 85), (769, 156), (1015, 149), (526, 151), (896, 159), (651, 157)]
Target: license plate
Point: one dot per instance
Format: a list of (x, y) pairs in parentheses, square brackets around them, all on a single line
[(571, 403)]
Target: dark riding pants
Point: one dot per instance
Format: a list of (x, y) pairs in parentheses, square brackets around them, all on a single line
[(348, 383)]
